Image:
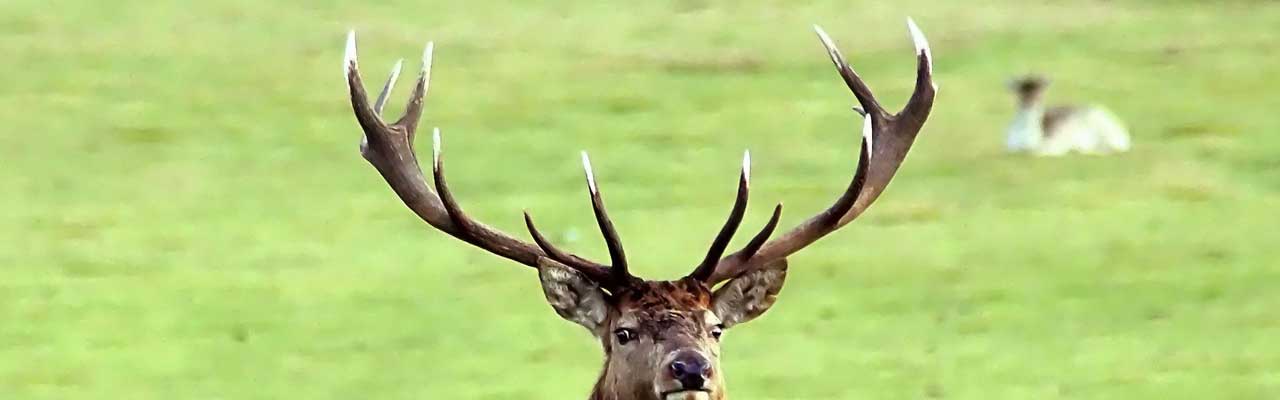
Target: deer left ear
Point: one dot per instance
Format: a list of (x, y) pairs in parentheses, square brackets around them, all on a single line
[(749, 295), (574, 296)]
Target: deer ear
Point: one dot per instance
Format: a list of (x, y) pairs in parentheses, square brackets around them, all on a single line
[(572, 295), (749, 295)]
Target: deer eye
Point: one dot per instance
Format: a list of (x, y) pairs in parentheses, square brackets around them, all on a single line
[(717, 330), (624, 335)]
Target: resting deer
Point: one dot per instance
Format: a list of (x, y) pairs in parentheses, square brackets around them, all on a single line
[(661, 339), (1058, 130)]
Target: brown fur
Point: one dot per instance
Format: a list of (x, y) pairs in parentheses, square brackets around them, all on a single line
[(1054, 116)]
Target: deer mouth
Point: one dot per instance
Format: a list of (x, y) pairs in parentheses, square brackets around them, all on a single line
[(697, 394)]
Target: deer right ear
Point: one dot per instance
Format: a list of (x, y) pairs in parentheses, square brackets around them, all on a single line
[(749, 295), (573, 296)]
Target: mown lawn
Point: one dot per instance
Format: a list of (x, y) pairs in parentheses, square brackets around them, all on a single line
[(186, 215)]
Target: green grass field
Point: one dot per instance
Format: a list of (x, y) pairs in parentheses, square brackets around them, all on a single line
[(186, 215)]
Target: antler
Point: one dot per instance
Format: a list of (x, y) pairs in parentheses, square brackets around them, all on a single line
[(389, 147), (886, 139)]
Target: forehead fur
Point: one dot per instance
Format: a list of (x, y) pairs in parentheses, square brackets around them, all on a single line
[(665, 306), (681, 295)]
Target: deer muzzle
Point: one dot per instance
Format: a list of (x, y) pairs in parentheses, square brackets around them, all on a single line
[(688, 375)]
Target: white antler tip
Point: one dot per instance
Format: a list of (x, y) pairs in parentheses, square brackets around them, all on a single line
[(829, 44), (591, 177), (822, 35), (349, 57), (746, 165), (922, 44), (395, 74), (427, 54), (435, 146), (867, 133), (818, 29)]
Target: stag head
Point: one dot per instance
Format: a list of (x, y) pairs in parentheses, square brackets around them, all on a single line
[(661, 338)]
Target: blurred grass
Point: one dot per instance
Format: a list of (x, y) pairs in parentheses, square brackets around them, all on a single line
[(186, 215)]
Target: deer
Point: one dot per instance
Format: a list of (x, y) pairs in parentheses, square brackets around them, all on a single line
[(661, 338), (1058, 130)]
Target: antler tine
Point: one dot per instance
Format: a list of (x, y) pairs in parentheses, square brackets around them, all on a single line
[(860, 89), (761, 237), (617, 256), (365, 115), (886, 139), (920, 104), (922, 46), (386, 87), (721, 242), (413, 110), (459, 218)]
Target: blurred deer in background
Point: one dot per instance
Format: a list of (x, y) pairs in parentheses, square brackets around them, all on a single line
[(1058, 130), (661, 339)]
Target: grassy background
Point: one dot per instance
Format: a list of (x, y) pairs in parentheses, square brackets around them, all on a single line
[(186, 215)]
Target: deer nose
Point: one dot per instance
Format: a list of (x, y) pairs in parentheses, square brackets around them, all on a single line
[(691, 369)]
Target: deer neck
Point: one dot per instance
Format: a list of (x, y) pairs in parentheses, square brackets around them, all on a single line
[(611, 386), (608, 386), (1026, 131)]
